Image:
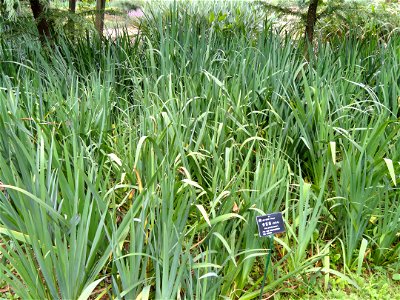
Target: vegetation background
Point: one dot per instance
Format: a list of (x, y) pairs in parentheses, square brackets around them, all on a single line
[(133, 165)]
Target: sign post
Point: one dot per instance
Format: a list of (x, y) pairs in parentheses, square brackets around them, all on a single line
[(268, 225)]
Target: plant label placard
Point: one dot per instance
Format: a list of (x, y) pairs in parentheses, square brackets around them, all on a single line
[(270, 224)]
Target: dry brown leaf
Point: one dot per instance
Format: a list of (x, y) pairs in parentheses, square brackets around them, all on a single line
[(235, 208)]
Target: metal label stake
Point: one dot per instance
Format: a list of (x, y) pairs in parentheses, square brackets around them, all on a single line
[(269, 225)]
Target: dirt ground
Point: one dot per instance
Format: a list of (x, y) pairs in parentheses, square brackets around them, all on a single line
[(115, 25)]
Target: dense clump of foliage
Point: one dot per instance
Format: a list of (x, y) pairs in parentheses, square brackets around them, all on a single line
[(135, 167)]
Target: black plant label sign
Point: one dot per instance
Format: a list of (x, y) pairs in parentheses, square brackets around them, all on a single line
[(270, 224)]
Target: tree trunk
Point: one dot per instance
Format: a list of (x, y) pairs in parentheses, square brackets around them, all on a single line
[(42, 23), (311, 19), (72, 6), (100, 6), (72, 9)]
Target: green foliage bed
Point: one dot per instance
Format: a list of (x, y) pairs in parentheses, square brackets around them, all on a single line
[(135, 168)]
